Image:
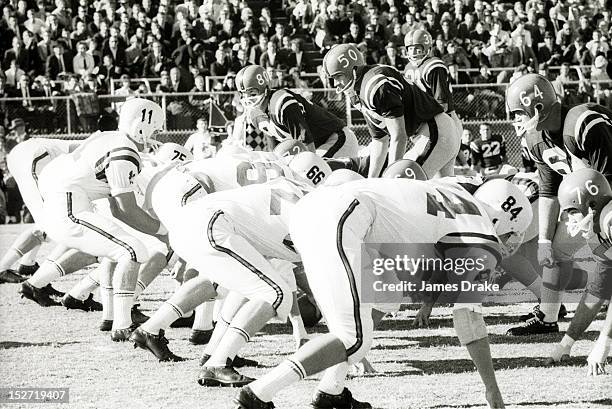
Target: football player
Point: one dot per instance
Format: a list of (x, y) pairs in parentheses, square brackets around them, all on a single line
[(104, 166), (488, 152), (284, 114), (240, 230), (376, 211), (585, 195), (560, 140), (25, 162), (395, 110), (429, 72)]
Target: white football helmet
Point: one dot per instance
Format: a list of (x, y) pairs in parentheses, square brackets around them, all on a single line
[(140, 119), (310, 168), (170, 152), (341, 176), (509, 211)]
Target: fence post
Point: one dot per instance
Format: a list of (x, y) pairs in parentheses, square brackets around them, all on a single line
[(597, 93), (163, 105), (349, 116), (69, 117)]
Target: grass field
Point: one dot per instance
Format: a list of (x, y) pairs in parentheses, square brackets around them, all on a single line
[(424, 368)]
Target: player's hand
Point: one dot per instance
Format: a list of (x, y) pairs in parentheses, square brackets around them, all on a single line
[(597, 359), (558, 354), (494, 399), (421, 320), (545, 254)]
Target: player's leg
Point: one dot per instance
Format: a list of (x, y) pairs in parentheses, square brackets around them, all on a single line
[(105, 275), (437, 147), (233, 302), (80, 296), (151, 334), (27, 263), (202, 328), (268, 294), (599, 289), (330, 251), (25, 242), (61, 261)]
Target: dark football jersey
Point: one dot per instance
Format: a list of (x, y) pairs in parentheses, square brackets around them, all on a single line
[(585, 140), (383, 92), (489, 153), (432, 76), (295, 117), (464, 157), (359, 164)]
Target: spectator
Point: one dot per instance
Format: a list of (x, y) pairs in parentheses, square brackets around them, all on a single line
[(57, 64), (199, 143), (33, 23), (17, 134), (123, 92), (220, 67), (271, 58), (354, 35), (44, 46), (392, 58), (258, 50), (549, 53), (597, 45), (23, 92), (456, 55), (83, 63), (63, 14), (116, 51), (155, 62), (196, 99), (577, 53), (13, 74), (523, 56), (16, 53)]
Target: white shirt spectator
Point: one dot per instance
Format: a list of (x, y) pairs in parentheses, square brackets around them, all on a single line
[(199, 145)]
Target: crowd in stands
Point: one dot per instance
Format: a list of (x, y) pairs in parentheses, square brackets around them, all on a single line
[(89, 49)]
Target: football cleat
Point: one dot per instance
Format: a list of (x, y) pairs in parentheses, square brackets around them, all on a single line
[(223, 376), (137, 316), (200, 337), (237, 362), (123, 334), (28, 270), (11, 277), (183, 322), (106, 325), (534, 326), (53, 292), (156, 344), (38, 295), (247, 400), (344, 400), (87, 305), (536, 310)]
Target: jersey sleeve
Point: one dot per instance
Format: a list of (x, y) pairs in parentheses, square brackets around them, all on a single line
[(121, 169), (549, 178), (438, 78), (289, 114), (593, 141)]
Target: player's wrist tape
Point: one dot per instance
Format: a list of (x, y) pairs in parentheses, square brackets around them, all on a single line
[(162, 231), (544, 241)]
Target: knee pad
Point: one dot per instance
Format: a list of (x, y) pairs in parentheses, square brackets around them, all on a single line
[(469, 324), (134, 250), (281, 299)]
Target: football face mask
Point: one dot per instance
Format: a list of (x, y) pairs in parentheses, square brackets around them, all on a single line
[(580, 224)]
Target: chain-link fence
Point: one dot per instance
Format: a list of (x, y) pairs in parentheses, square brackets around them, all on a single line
[(75, 116)]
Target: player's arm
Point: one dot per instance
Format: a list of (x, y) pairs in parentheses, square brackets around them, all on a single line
[(595, 144), (476, 157), (378, 154), (438, 78), (120, 174), (295, 120), (548, 208)]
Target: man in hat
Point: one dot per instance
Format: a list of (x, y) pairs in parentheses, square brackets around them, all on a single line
[(17, 134)]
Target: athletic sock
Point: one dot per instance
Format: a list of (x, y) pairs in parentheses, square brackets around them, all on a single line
[(163, 317), (106, 295), (536, 288), (299, 331), (204, 316), (123, 301), (217, 336), (285, 374), (567, 342), (334, 379), (29, 258), (550, 304), (234, 339), (83, 288), (140, 287), (10, 257), (47, 273)]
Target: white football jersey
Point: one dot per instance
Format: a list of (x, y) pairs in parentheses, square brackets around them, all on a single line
[(261, 213), (230, 172), (105, 164), (430, 211)]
